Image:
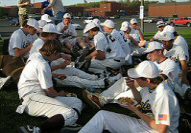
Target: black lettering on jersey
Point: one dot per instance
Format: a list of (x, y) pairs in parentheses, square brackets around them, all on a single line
[(25, 44), (146, 107), (111, 38), (124, 38)]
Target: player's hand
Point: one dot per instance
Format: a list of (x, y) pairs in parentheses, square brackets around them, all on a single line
[(67, 62), (130, 83), (62, 93), (59, 76)]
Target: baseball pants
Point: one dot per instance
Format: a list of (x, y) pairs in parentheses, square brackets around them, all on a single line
[(115, 123), (102, 64), (82, 83), (42, 105), (72, 71)]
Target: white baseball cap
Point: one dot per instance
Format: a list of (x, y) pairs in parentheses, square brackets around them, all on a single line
[(145, 69), (42, 23), (46, 18), (152, 46), (160, 24), (125, 26), (50, 28), (168, 28), (33, 23), (96, 21), (67, 15), (89, 26), (167, 36), (133, 21), (108, 23)]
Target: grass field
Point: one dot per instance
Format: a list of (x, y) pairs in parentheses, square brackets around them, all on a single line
[(10, 120)]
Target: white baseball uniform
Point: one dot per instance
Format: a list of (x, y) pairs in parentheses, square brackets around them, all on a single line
[(125, 44), (115, 57), (36, 77), (161, 103), (135, 34), (176, 53), (158, 35), (70, 34), (182, 42), (20, 40)]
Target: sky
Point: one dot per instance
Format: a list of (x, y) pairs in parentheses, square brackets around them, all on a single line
[(65, 2)]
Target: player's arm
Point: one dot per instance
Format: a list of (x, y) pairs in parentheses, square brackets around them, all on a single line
[(97, 54), (161, 128), (24, 4), (133, 86), (22, 52), (184, 71), (51, 92)]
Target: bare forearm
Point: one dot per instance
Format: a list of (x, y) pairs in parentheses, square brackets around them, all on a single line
[(22, 52)]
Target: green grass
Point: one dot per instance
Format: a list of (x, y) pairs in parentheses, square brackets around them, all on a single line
[(10, 120)]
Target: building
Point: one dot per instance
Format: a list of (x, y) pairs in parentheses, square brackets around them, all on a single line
[(170, 9), (111, 9)]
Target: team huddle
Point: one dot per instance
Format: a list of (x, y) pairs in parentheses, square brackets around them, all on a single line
[(56, 56)]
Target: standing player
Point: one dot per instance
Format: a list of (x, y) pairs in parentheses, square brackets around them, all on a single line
[(24, 6), (57, 8), (158, 102), (39, 97)]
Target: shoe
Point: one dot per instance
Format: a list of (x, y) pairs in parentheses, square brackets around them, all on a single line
[(93, 100), (71, 129), (3, 81), (29, 129)]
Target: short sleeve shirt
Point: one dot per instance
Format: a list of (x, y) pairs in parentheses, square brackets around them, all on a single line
[(35, 77), (19, 40), (71, 31), (162, 104), (100, 42), (116, 49), (176, 53)]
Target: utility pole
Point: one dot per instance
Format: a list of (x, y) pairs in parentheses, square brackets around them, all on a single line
[(142, 15)]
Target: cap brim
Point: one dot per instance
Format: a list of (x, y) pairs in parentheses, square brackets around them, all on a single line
[(148, 50), (132, 73)]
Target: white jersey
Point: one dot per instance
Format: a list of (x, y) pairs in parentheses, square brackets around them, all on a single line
[(135, 34), (36, 46), (182, 42), (169, 68), (71, 31), (100, 42), (176, 53), (20, 40), (116, 51), (35, 77), (125, 44), (162, 104)]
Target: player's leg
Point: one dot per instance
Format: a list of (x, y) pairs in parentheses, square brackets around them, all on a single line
[(115, 123)]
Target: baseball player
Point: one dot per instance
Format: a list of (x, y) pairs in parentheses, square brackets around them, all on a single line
[(21, 40), (176, 53), (160, 109), (136, 32), (114, 55), (160, 25), (168, 68), (39, 97)]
